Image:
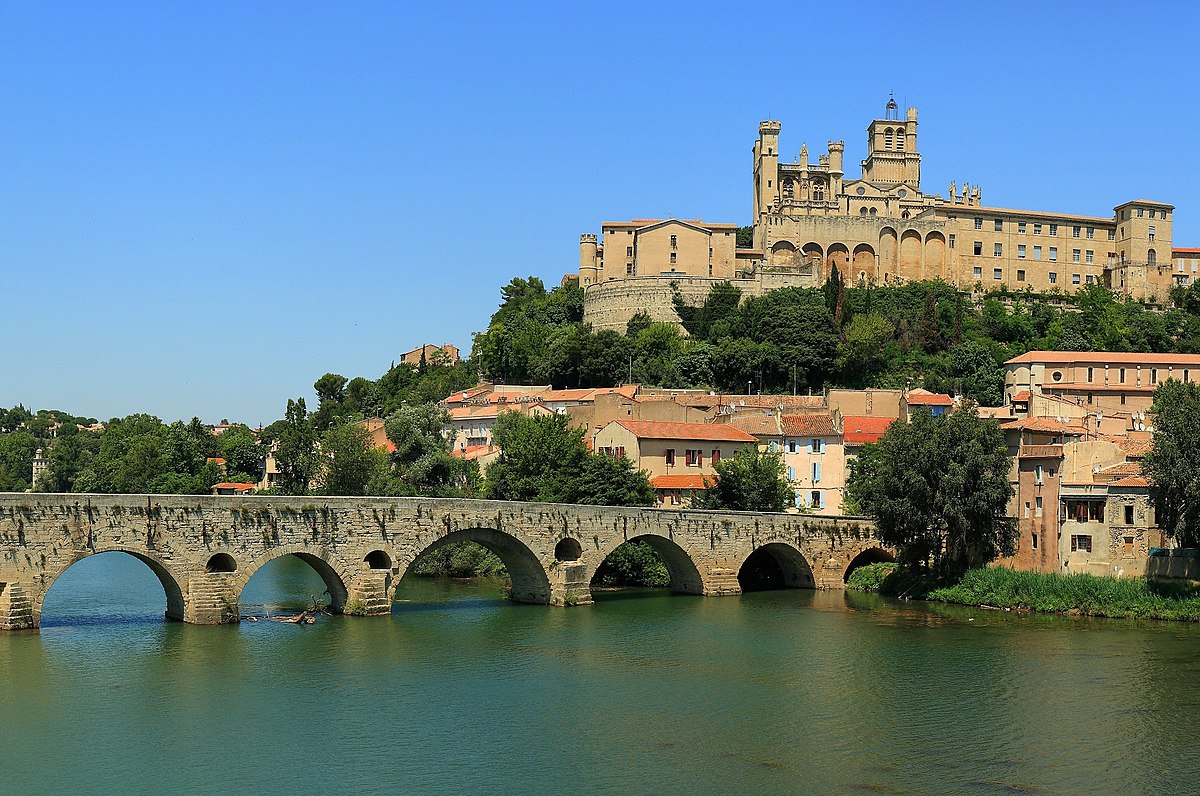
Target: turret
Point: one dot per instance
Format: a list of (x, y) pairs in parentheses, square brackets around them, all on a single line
[(766, 167), (836, 150), (589, 273)]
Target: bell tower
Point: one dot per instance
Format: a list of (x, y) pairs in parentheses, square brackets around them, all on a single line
[(892, 156)]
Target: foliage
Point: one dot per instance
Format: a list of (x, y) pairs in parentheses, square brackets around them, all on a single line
[(422, 463), (745, 237), (938, 489), (459, 560), (752, 480), (1173, 463), (543, 458), (17, 449), (349, 461), (872, 576), (633, 563), (296, 453)]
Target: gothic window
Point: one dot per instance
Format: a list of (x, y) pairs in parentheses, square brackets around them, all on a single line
[(900, 139), (873, 211), (1151, 257), (787, 188), (818, 192), (862, 211)]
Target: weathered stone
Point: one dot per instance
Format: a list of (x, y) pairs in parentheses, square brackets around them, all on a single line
[(205, 549)]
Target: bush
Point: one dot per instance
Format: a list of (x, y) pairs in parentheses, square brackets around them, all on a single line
[(871, 576), (460, 560), (632, 564)]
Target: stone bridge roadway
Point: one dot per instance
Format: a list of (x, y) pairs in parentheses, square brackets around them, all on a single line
[(205, 549)]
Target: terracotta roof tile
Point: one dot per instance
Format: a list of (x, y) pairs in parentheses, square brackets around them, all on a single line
[(1131, 480), (1042, 424), (1022, 397), (920, 397), (647, 429), (860, 429), (757, 424), (235, 486), (688, 481), (1134, 448), (1122, 469), (809, 425)]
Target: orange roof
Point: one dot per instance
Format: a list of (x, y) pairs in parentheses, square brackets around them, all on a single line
[(1185, 251), (1131, 480), (920, 397), (217, 460), (236, 487), (472, 452), (859, 429), (809, 425), (758, 425), (463, 395), (1101, 357), (1134, 448), (1122, 469), (1021, 397), (647, 429), (1042, 424), (689, 481)]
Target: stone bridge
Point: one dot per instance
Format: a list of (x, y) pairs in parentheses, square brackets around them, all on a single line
[(205, 549)]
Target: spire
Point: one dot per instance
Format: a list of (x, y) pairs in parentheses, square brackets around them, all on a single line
[(892, 110)]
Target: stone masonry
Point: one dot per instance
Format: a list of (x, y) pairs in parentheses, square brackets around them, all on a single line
[(205, 549)]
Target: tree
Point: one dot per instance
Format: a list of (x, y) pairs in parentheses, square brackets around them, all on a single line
[(296, 455), (422, 463), (543, 458), (750, 481), (938, 489), (1173, 463), (349, 460)]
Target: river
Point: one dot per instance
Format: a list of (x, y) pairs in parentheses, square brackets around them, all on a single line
[(460, 692)]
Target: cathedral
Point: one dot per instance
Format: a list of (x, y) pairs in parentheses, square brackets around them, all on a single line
[(879, 227)]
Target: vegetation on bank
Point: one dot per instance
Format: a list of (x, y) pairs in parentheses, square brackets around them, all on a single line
[(1074, 595)]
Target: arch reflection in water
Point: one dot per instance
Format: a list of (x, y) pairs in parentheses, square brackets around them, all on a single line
[(529, 581), (115, 587), (288, 583), (775, 566)]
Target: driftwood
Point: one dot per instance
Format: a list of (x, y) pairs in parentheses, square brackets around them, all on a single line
[(306, 617)]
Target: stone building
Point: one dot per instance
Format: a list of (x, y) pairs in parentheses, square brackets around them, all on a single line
[(881, 227)]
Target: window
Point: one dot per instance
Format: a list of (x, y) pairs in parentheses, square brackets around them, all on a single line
[(999, 225), (997, 249), (1075, 255), (951, 244), (1154, 375), (1089, 279), (675, 497), (1091, 233), (1128, 540), (670, 457), (1085, 511), (1037, 229), (1151, 257), (978, 248), (1028, 513), (791, 444), (1054, 229), (1121, 372), (1035, 541), (716, 456), (672, 257), (814, 499), (1129, 514), (693, 457), (1075, 231), (977, 272), (816, 472), (1020, 251), (1054, 277), (1139, 212), (1074, 279), (1037, 511), (1112, 234), (791, 473), (1089, 257), (1020, 227), (629, 268), (1053, 254), (997, 273), (628, 251), (1020, 275), (674, 241), (979, 223), (1081, 543), (818, 445), (1037, 252)]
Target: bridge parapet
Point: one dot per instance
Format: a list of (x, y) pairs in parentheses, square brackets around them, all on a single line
[(205, 549)]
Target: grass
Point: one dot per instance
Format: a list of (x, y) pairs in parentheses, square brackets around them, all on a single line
[(1076, 595)]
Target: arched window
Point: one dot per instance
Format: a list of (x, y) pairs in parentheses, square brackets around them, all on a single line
[(900, 139), (874, 211), (787, 188), (1151, 257), (862, 211), (818, 192), (887, 138)]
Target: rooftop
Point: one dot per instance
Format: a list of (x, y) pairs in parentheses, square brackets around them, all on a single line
[(861, 429), (688, 481), (648, 429), (809, 425), (1102, 357)]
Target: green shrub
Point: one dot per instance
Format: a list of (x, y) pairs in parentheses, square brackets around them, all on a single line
[(633, 564), (460, 560)]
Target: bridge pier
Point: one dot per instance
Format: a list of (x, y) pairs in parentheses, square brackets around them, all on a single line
[(370, 594), (212, 599), (16, 607), (570, 583)]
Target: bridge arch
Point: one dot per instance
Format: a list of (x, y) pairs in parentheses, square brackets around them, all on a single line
[(775, 565), (871, 555), (681, 568), (530, 583), (335, 580), (169, 578)]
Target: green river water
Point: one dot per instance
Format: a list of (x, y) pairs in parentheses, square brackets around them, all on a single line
[(460, 692)]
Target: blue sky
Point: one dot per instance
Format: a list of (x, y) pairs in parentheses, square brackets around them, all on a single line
[(204, 207)]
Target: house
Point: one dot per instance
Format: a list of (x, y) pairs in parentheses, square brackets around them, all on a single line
[(814, 459), (432, 355), (672, 449), (1101, 381), (937, 403), (230, 488)]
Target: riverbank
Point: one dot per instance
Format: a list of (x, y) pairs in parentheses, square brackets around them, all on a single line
[(1072, 595)]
